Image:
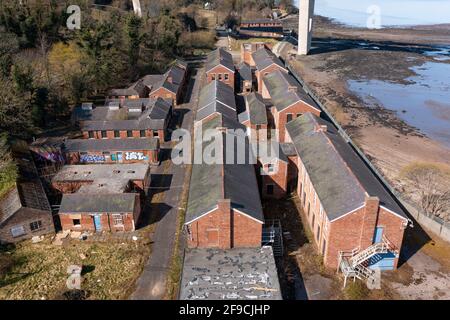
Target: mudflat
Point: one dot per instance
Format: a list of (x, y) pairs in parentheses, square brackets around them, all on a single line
[(341, 54)]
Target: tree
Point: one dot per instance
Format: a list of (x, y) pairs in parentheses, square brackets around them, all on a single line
[(9, 45), (168, 31), (8, 169), (431, 182), (15, 115), (134, 38), (23, 78), (39, 101)]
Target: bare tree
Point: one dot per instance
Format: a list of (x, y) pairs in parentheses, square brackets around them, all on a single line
[(431, 182)]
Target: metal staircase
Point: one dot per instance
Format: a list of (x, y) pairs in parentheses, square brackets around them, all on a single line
[(354, 263), (272, 235)]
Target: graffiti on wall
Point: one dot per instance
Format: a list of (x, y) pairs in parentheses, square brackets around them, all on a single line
[(135, 156), (92, 158)]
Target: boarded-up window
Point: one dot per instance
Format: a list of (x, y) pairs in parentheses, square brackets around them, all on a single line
[(18, 231), (212, 236)]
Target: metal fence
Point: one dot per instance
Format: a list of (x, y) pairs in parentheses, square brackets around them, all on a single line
[(433, 223)]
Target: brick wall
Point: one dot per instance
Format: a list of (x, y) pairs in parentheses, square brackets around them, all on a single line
[(277, 179), (220, 70), (153, 156), (123, 134), (107, 222), (295, 110), (24, 217), (261, 73), (224, 228), (163, 93)]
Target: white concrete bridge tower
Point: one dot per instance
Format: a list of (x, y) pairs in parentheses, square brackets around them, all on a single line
[(305, 24)]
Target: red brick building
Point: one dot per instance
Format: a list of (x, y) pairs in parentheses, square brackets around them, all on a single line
[(265, 63), (216, 98), (265, 28), (24, 209), (99, 212), (219, 66), (104, 151), (169, 85), (255, 117), (288, 98), (245, 76), (125, 118), (357, 225), (224, 207), (101, 197), (247, 50)]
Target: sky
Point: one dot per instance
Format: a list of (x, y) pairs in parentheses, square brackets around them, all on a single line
[(393, 12)]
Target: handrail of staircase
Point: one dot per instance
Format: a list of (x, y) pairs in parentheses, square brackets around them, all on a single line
[(390, 245)]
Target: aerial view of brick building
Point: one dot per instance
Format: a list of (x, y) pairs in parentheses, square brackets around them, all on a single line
[(265, 63), (128, 118), (264, 28), (24, 209), (247, 50), (145, 150), (255, 116), (288, 99), (104, 197), (357, 224), (219, 66), (169, 85), (216, 98), (245, 76), (224, 207)]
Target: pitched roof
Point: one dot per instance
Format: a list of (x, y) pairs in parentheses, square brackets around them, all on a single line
[(340, 178), (284, 91), (213, 182), (264, 58), (216, 97), (256, 108), (97, 203), (245, 71), (219, 57), (84, 145), (27, 193)]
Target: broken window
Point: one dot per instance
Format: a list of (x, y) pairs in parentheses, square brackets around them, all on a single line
[(129, 133), (142, 133), (117, 219), (116, 134), (35, 225), (103, 134), (289, 117), (226, 76), (76, 222), (91, 134)]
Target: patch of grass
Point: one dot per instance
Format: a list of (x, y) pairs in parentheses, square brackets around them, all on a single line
[(356, 290), (39, 271)]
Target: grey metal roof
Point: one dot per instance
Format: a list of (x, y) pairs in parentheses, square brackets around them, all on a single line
[(245, 71), (213, 182), (257, 108), (284, 90), (84, 145), (219, 57), (264, 58), (235, 274), (98, 203), (340, 178), (215, 107), (288, 149)]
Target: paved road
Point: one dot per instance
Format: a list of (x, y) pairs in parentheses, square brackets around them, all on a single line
[(151, 285)]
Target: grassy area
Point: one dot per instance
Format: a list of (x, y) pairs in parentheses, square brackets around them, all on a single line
[(236, 43), (39, 271)]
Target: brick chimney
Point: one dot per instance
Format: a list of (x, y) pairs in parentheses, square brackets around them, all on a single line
[(225, 224), (371, 208)]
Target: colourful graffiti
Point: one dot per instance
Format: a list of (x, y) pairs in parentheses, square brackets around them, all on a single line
[(135, 156), (92, 158)]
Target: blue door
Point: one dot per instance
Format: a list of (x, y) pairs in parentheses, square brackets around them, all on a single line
[(378, 235), (97, 223)]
